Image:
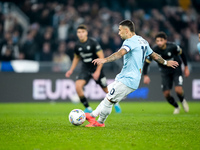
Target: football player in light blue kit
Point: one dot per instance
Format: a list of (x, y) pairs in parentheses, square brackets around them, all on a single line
[(134, 50), (133, 61)]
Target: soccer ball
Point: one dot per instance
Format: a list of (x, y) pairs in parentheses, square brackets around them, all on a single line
[(77, 117)]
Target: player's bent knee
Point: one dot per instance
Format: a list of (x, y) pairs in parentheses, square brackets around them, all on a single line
[(78, 88), (179, 93), (179, 90), (166, 93)]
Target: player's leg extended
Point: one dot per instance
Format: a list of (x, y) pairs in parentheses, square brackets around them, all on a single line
[(117, 91), (116, 105), (102, 82), (172, 101), (169, 98), (178, 81), (167, 82), (102, 110), (116, 94), (180, 93), (79, 89), (101, 107)]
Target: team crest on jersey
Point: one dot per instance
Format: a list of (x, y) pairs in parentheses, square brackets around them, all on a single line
[(88, 47), (169, 54), (80, 49)]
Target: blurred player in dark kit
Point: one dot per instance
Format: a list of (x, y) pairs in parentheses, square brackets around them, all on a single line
[(170, 51)]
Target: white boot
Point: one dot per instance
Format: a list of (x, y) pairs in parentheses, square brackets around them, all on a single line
[(176, 110), (185, 105)]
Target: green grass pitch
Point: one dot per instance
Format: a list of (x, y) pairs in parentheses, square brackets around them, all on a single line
[(141, 125)]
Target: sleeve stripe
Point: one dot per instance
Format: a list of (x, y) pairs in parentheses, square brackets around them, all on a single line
[(148, 61), (127, 48)]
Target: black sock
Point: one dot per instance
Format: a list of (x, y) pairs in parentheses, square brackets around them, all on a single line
[(181, 97), (171, 100), (84, 101)]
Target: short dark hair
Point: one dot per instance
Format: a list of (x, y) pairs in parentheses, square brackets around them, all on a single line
[(129, 24), (161, 35), (82, 26)]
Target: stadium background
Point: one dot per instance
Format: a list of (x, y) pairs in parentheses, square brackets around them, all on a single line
[(37, 40)]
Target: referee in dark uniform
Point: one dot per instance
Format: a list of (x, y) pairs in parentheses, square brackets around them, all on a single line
[(169, 51), (86, 50)]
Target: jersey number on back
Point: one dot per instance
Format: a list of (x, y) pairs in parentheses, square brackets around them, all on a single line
[(144, 50)]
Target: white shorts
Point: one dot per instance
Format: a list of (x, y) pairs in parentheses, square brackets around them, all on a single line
[(117, 91)]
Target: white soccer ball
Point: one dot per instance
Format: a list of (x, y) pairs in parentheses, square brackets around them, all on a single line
[(77, 117)]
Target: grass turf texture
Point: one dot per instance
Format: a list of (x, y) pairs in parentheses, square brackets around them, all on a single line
[(145, 125)]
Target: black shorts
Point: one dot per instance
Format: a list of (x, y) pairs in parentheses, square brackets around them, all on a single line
[(87, 75), (168, 78)]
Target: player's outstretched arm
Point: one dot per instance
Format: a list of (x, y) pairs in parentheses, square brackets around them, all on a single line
[(97, 72), (113, 57), (160, 60), (73, 66)]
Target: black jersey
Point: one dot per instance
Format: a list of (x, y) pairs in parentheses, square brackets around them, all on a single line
[(171, 52), (87, 52)]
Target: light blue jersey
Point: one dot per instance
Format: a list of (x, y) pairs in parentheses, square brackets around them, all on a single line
[(137, 49)]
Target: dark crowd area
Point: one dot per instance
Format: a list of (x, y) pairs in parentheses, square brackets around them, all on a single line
[(51, 32)]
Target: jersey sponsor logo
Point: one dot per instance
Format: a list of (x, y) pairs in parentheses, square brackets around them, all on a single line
[(86, 60), (83, 55)]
